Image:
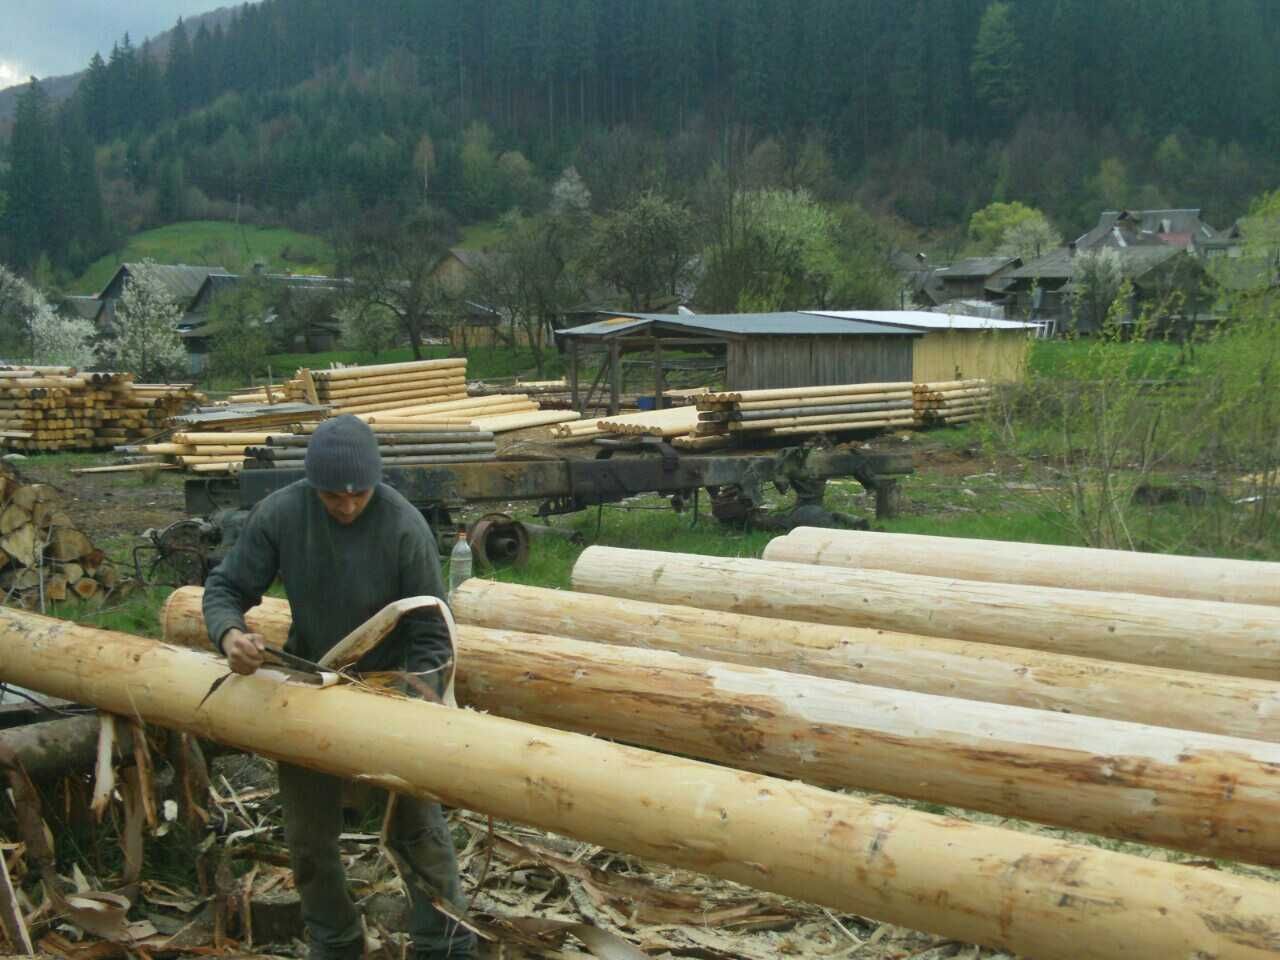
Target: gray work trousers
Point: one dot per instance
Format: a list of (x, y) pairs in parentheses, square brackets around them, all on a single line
[(418, 836)]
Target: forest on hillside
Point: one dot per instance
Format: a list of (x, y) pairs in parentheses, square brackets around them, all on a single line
[(304, 112)]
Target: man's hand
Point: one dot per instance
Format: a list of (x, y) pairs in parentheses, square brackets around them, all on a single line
[(243, 650)]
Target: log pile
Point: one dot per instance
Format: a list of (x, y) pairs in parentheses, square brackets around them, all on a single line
[(496, 413), (955, 401), (1235, 639), (44, 559), (1075, 568), (386, 386), (424, 445), (980, 755), (213, 439), (56, 408), (795, 410), (1019, 892), (668, 423)]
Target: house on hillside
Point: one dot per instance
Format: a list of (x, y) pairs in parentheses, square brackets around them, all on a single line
[(1180, 228), (1245, 258), (1043, 290), (302, 315), (973, 277), (918, 282), (84, 307), (179, 280), (458, 266)]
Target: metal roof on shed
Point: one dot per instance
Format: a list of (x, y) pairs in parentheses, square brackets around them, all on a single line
[(740, 324), (924, 320)]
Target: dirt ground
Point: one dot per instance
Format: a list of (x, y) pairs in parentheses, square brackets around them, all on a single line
[(108, 508)]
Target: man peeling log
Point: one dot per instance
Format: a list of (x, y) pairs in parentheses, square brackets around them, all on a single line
[(345, 545)]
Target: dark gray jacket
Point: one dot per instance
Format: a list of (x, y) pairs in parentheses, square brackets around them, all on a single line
[(335, 577)]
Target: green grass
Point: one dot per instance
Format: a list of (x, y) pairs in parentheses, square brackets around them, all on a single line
[(478, 236), (1084, 359), (215, 243)]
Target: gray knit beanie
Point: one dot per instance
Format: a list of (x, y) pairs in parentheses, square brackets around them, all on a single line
[(343, 457)]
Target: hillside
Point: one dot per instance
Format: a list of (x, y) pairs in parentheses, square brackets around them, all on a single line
[(317, 112), (207, 243)]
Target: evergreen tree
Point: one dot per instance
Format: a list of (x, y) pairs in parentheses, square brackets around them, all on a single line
[(179, 72), (997, 67), (32, 213), (95, 96)]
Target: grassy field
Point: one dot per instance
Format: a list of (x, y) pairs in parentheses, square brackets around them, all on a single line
[(210, 242)]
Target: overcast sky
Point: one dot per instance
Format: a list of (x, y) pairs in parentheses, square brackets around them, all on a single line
[(53, 37)]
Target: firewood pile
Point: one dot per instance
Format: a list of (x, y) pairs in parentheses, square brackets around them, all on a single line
[(58, 408), (956, 401), (44, 559)]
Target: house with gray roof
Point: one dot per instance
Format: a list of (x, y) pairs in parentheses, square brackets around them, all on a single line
[(1180, 228), (972, 277), (1043, 290), (301, 315)]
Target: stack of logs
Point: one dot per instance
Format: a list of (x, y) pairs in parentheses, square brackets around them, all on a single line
[(44, 559), (388, 385), (791, 410), (1120, 714), (955, 401), (399, 447), (672, 422), (56, 408), (496, 413)]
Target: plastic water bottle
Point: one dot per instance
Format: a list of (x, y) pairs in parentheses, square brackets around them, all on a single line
[(459, 562)]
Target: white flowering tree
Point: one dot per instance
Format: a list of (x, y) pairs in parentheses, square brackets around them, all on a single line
[(31, 328), (146, 341)]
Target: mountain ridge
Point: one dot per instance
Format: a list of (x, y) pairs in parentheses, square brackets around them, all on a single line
[(62, 86)]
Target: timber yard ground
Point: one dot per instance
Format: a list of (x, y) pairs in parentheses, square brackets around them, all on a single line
[(956, 490), (964, 484)]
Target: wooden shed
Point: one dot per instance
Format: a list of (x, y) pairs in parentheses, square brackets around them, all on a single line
[(760, 350), (957, 347)]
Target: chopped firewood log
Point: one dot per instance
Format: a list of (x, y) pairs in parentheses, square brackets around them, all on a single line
[(86, 587), (67, 543), (20, 544)]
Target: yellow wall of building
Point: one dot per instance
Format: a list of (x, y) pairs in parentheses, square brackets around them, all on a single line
[(997, 355)]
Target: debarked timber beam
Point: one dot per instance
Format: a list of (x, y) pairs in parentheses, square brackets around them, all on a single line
[(1209, 702), (1021, 893), (998, 561), (1136, 782), (1231, 638)]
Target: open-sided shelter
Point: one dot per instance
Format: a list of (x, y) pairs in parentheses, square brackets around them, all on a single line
[(761, 350)]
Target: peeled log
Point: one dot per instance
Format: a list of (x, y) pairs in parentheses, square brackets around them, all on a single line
[(1126, 780), (1210, 703), (1017, 892), (1228, 638), (1077, 568)]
